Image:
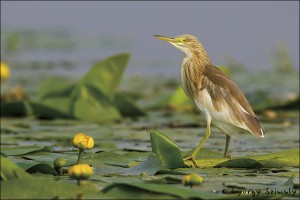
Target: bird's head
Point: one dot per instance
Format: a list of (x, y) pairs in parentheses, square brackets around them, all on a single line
[(186, 43)]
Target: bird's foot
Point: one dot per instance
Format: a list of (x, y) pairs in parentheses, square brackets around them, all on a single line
[(188, 163), (227, 156)]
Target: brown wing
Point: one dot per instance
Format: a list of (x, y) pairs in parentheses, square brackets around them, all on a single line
[(222, 88), (218, 78)]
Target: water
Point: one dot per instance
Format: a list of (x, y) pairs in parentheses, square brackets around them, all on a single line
[(241, 30)]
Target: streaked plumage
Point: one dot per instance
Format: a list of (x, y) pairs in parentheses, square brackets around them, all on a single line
[(215, 94)]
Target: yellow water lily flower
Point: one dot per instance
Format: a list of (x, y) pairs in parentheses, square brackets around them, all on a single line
[(4, 71), (192, 180), (83, 141), (80, 171)]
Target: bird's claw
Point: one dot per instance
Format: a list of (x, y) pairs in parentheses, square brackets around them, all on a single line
[(227, 156), (192, 164)]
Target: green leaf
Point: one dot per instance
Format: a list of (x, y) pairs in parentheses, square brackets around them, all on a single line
[(157, 189), (41, 168), (38, 188), (91, 99), (150, 166), (168, 152), (126, 106), (55, 87), (10, 170), (90, 105), (21, 150), (16, 108), (126, 191), (273, 160), (106, 75), (109, 158), (49, 157), (240, 163), (52, 108), (179, 101), (288, 157)]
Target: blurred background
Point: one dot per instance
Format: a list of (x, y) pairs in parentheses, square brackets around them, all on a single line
[(67, 38), (256, 43)]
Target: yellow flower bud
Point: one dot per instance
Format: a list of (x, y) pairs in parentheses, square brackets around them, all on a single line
[(192, 179), (80, 171), (83, 141), (4, 71)]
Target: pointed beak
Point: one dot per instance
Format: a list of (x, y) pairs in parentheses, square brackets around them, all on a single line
[(164, 38)]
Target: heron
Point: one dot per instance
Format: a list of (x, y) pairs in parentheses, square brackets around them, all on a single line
[(214, 93)]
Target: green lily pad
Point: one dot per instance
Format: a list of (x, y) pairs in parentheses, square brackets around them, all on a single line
[(10, 170), (16, 108), (22, 150), (106, 74), (49, 157), (47, 110), (88, 104), (127, 107), (172, 190), (240, 163), (41, 168), (39, 188), (273, 160), (93, 98), (168, 152), (54, 87), (150, 167)]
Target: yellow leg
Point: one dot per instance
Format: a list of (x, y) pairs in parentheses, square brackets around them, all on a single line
[(196, 151), (226, 155)]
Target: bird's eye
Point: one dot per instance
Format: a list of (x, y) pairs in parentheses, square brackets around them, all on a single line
[(180, 40)]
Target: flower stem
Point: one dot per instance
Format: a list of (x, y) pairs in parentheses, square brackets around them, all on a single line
[(80, 156)]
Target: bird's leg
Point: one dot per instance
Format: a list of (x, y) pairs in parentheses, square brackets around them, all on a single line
[(196, 151), (226, 155)]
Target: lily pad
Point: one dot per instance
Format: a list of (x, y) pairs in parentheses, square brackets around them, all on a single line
[(273, 160), (168, 151), (22, 150), (93, 98), (150, 166), (39, 188), (173, 190), (10, 170)]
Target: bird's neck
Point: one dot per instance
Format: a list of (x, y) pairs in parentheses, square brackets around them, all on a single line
[(197, 60)]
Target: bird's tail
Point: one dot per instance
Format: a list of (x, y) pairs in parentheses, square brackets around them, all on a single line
[(254, 125)]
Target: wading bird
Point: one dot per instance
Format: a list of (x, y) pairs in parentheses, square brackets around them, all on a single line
[(218, 97)]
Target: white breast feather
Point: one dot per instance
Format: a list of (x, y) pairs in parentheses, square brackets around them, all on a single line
[(222, 119)]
